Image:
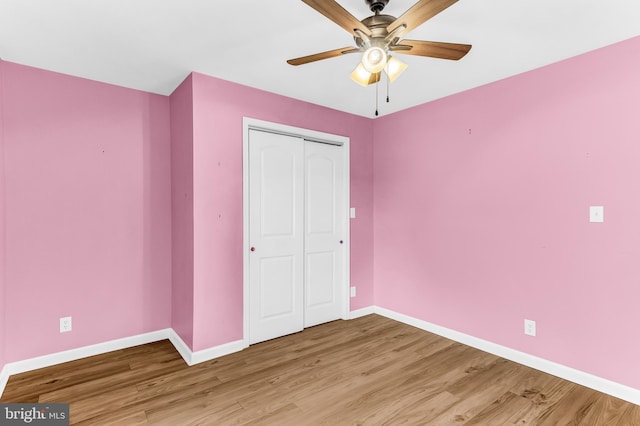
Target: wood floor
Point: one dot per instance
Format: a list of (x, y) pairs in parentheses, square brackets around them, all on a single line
[(367, 371)]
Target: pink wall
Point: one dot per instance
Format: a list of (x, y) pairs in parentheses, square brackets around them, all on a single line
[(87, 209), (2, 228), (182, 211), (218, 109), (94, 174), (481, 212)]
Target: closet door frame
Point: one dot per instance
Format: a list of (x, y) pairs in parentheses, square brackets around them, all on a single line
[(309, 135)]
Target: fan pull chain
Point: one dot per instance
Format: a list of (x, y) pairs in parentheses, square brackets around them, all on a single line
[(377, 81), (387, 87)]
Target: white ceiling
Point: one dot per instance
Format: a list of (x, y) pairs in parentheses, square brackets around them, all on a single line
[(152, 45)]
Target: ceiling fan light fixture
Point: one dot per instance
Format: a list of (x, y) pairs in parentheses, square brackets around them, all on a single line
[(362, 76), (374, 59), (394, 68)]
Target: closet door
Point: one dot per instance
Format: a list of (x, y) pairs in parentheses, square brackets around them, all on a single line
[(324, 233), (276, 235)]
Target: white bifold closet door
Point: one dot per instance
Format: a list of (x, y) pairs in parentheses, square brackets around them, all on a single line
[(296, 234)]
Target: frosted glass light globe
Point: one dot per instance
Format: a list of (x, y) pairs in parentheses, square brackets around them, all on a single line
[(374, 59)]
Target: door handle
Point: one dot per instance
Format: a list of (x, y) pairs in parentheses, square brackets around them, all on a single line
[(252, 249)]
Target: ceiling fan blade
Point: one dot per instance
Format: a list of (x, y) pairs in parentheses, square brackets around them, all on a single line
[(338, 14), (324, 55), (432, 49), (420, 13)]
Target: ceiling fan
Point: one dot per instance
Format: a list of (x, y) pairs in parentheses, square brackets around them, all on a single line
[(380, 35)]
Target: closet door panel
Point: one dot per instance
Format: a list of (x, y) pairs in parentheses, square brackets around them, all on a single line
[(324, 234), (276, 235)]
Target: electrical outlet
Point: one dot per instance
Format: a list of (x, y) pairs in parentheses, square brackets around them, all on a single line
[(529, 327), (353, 291), (65, 324), (596, 214)]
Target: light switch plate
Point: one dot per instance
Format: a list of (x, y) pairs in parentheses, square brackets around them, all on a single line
[(352, 212), (596, 214)]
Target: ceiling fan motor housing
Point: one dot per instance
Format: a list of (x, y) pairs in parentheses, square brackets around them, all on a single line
[(378, 25)]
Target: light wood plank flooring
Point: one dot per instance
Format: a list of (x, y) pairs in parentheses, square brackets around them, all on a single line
[(367, 371)]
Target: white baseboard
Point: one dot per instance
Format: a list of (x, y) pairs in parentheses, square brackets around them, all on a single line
[(197, 357), (576, 376), (362, 312), (182, 348), (217, 351), (190, 357), (4, 378)]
